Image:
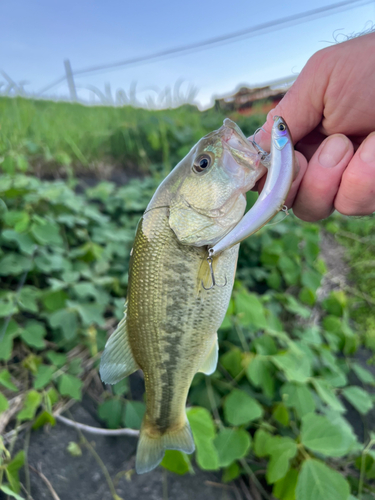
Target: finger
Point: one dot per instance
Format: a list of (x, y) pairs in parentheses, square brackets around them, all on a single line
[(356, 195), (302, 106), (316, 195)]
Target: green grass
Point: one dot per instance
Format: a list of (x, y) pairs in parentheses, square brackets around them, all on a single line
[(57, 134)]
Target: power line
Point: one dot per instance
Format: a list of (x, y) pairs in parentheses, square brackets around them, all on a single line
[(220, 40)]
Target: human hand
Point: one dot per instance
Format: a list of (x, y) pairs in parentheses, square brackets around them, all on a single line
[(330, 111)]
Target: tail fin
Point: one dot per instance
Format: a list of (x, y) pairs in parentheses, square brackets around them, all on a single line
[(150, 451)]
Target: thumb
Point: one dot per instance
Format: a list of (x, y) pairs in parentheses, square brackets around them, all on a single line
[(303, 105)]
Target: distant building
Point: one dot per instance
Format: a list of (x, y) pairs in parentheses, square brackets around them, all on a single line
[(259, 100)]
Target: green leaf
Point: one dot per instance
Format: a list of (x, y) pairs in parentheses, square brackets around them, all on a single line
[(43, 376), (281, 450), (7, 307), (261, 439), (19, 220), (260, 373), (232, 444), (33, 334), (232, 362), (299, 397), (57, 359), (335, 303), (231, 472), (4, 405), (25, 243), (328, 396), (6, 381), (43, 419), (12, 471), (111, 412), (281, 414), (290, 269), (322, 436), (201, 423), (54, 301), (90, 313), (359, 398), (46, 233), (364, 375), (5, 489), (285, 488), (307, 296), (134, 412), (311, 279), (203, 430), (240, 408), (176, 461), (6, 338), (30, 405), (121, 387), (27, 299), (70, 386), (66, 320), (74, 449), (292, 305), (13, 264), (250, 310), (317, 481), (296, 367)]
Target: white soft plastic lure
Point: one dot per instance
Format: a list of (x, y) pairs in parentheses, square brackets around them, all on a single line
[(276, 188)]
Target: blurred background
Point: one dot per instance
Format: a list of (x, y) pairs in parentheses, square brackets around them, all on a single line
[(98, 102)]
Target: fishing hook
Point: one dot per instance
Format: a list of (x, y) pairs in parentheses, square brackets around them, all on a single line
[(209, 260), (263, 154)]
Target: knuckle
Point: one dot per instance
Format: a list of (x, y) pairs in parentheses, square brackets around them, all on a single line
[(356, 195)]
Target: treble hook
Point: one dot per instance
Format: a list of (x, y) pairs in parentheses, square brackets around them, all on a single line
[(209, 260), (263, 154)]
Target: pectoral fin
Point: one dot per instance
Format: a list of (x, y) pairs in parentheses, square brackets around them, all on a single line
[(210, 363), (117, 360)]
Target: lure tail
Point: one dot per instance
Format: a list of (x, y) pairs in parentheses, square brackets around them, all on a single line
[(150, 451)]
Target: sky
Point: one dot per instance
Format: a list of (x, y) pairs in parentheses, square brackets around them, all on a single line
[(36, 36)]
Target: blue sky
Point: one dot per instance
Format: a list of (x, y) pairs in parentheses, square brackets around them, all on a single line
[(36, 36)]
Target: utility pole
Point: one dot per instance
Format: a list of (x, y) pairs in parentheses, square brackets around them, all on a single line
[(70, 80)]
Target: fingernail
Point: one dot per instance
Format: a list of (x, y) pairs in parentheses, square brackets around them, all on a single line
[(367, 153), (333, 151)]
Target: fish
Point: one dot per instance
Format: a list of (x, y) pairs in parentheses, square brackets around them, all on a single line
[(177, 294)]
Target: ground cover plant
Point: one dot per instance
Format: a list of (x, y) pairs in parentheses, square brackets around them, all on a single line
[(275, 411)]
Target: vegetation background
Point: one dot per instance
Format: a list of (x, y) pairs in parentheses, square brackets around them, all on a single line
[(289, 413)]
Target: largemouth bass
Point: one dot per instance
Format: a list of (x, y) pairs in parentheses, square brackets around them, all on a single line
[(172, 311)]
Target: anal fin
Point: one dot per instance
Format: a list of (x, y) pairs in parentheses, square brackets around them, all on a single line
[(117, 360), (209, 364)]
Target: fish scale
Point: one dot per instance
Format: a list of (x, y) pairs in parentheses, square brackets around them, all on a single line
[(173, 330)]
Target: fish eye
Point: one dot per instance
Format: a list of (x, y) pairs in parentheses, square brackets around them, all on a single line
[(202, 163), (281, 127)]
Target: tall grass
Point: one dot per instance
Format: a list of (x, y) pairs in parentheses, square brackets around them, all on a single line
[(64, 134)]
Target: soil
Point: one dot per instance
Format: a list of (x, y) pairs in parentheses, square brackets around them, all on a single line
[(81, 478)]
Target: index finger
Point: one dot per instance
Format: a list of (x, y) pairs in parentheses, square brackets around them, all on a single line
[(302, 106)]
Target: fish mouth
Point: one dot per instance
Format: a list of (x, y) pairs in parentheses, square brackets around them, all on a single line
[(240, 147)]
